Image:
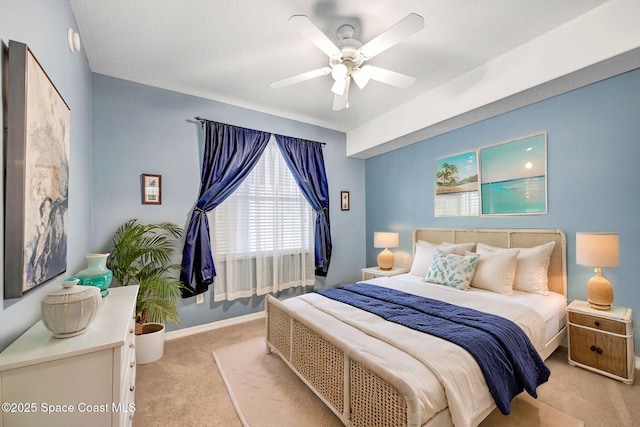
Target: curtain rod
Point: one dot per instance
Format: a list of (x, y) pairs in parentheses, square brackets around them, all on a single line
[(202, 120)]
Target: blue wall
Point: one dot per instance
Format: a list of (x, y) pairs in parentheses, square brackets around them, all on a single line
[(42, 25), (593, 169), (140, 129)]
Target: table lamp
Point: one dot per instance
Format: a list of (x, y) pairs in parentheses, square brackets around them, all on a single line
[(386, 241), (598, 250)]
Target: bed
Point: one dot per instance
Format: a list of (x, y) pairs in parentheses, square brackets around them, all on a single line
[(372, 372)]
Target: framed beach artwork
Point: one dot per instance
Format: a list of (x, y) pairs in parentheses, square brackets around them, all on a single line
[(37, 176), (513, 176), (457, 187)]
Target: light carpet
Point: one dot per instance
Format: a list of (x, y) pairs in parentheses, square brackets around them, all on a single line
[(265, 392)]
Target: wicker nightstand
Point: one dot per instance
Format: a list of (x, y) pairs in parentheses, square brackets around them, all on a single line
[(373, 272), (602, 341)]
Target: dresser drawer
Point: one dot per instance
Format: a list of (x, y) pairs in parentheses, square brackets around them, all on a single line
[(128, 351), (128, 389), (127, 401), (598, 323)]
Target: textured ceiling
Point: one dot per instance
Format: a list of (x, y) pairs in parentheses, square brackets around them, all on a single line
[(231, 50)]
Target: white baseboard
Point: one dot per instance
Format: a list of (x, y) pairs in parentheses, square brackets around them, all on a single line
[(211, 326)]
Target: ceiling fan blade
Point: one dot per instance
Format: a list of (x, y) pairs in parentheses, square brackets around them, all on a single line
[(342, 101), (404, 28), (387, 76), (339, 86), (302, 77), (308, 29)]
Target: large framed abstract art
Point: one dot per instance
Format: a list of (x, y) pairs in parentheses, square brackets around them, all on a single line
[(37, 175)]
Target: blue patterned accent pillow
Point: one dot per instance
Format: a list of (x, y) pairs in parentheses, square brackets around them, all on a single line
[(452, 270)]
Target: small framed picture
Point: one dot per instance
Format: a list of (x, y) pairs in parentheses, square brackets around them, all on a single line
[(151, 189), (344, 200)]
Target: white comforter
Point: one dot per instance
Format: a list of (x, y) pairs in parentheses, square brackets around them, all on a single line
[(441, 374)]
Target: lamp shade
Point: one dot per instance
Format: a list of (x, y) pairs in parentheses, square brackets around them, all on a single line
[(360, 76), (339, 71), (385, 240), (598, 249)]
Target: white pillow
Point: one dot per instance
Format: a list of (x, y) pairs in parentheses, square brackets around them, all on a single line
[(496, 271), (531, 267), (458, 248), (424, 256), (452, 270)]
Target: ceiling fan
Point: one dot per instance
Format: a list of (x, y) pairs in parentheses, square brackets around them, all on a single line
[(347, 58)]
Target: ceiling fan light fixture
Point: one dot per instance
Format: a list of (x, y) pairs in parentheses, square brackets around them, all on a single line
[(339, 72), (361, 77), (347, 56), (339, 86)]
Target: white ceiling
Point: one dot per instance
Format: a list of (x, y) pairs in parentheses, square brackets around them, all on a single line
[(231, 50)]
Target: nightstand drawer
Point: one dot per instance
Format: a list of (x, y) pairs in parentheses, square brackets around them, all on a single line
[(368, 276), (373, 272), (601, 324)]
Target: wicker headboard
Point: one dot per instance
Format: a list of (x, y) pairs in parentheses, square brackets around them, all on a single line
[(508, 238)]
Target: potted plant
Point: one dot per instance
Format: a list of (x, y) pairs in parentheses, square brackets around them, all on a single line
[(142, 255)]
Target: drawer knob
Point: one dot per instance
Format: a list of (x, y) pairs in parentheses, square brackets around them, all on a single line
[(132, 345), (593, 348), (131, 331), (599, 350), (132, 364), (597, 323)]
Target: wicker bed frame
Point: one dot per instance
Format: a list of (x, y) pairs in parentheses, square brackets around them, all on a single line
[(358, 392)]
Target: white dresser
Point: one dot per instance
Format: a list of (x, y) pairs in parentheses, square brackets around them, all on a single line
[(86, 380)]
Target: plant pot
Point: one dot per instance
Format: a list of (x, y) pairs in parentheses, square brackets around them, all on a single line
[(150, 344)]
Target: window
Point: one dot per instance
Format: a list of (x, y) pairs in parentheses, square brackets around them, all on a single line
[(262, 235)]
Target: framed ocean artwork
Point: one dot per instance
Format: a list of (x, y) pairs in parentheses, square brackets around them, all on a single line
[(513, 176), (457, 187), (37, 176)]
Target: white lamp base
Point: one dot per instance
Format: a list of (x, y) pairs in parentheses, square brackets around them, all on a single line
[(385, 260), (599, 292)]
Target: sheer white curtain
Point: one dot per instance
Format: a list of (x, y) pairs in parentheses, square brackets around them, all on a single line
[(262, 235)]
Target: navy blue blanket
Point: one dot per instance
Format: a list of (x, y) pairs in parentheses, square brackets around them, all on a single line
[(503, 351)]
